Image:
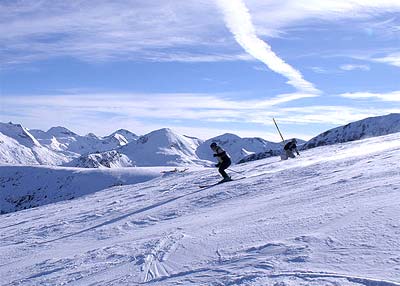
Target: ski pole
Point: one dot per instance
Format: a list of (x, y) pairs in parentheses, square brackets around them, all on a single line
[(278, 130)]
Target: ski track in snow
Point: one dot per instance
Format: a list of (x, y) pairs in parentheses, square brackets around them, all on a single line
[(329, 218)]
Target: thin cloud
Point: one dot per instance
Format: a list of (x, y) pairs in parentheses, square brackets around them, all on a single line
[(239, 22), (132, 30), (352, 67), (144, 101), (272, 17), (331, 114), (391, 59), (198, 108), (154, 30), (390, 97), (319, 70)]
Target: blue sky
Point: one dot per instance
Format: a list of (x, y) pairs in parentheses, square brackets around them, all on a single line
[(201, 67)]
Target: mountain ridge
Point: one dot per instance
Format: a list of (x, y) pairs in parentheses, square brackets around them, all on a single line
[(361, 129), (61, 146)]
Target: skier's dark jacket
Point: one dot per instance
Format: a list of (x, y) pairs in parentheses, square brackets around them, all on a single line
[(221, 155), (290, 146)]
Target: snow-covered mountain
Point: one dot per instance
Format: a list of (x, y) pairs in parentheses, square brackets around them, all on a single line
[(124, 135), (51, 139), (11, 152), (163, 147), (237, 147), (369, 127), (329, 217), (160, 147), (62, 139), (19, 146), (19, 133), (107, 159), (59, 145)]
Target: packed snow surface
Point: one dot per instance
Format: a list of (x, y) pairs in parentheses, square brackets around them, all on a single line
[(327, 218)]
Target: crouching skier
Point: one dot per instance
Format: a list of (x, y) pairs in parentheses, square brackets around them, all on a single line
[(289, 148), (224, 161)]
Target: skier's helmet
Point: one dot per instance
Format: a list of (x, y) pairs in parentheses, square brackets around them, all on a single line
[(294, 140), (213, 145)]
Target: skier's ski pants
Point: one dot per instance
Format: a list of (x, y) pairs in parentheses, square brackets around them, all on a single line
[(224, 165), (289, 153)]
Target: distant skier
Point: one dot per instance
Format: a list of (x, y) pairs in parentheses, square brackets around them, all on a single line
[(224, 161), (289, 148)]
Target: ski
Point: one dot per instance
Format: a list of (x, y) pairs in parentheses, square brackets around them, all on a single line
[(221, 182), (211, 185), (208, 186)]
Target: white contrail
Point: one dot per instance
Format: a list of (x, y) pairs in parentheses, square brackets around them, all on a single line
[(238, 21)]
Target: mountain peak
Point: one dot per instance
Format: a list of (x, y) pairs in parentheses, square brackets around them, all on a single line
[(128, 135), (92, 135), (162, 147), (59, 131), (165, 130), (226, 136), (121, 131), (161, 137), (19, 133)]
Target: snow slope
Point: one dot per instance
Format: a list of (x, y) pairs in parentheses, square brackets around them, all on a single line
[(324, 219), (19, 133), (369, 127), (237, 147), (23, 187), (20, 146), (11, 152), (163, 147)]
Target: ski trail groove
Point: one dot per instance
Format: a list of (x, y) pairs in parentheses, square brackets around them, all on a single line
[(156, 261)]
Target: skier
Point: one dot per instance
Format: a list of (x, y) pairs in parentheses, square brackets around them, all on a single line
[(289, 148), (224, 161)]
